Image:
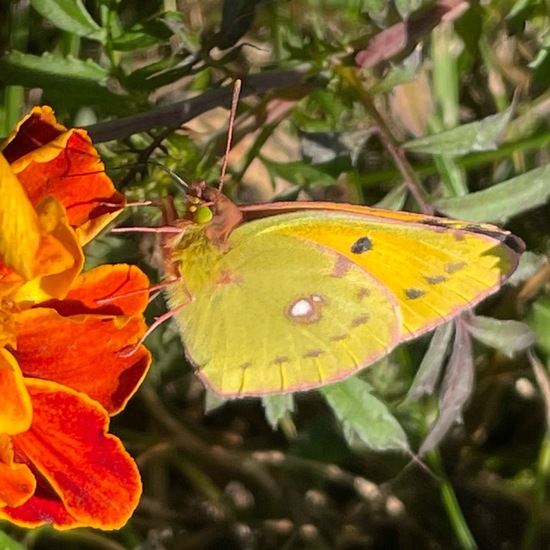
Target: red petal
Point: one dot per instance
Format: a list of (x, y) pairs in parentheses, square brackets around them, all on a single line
[(106, 281), (83, 352), (93, 475), (70, 169), (42, 508), (51, 160)]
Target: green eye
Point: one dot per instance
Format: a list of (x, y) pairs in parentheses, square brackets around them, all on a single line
[(202, 215)]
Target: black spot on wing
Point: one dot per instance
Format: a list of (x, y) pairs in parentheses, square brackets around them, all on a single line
[(312, 353), (435, 279), (453, 267), (363, 244), (414, 293), (360, 320)]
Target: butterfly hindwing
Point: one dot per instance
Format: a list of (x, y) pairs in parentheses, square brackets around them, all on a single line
[(282, 314)]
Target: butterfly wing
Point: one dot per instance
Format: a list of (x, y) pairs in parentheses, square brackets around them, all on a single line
[(301, 299), (435, 267)]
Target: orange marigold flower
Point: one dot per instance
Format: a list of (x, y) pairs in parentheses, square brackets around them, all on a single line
[(62, 372), (46, 158)]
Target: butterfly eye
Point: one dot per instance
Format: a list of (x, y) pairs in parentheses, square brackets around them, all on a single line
[(202, 215)]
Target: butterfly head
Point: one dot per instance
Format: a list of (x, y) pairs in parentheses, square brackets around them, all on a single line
[(207, 207)]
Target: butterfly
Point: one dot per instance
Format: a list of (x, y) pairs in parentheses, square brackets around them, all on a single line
[(290, 296)]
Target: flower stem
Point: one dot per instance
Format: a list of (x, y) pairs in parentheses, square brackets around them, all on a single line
[(450, 502)]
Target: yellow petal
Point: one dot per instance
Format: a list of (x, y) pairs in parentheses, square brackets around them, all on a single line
[(16, 412), (19, 227), (59, 258)]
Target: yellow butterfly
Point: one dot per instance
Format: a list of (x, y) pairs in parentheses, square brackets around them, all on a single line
[(287, 297)]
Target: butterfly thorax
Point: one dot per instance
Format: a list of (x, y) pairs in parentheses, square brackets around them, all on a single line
[(194, 253)]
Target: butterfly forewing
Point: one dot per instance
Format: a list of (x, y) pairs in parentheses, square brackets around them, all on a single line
[(433, 267)]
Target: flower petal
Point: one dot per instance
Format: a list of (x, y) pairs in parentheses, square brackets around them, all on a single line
[(16, 410), (17, 482), (42, 508), (106, 281), (37, 128), (83, 352), (65, 164), (59, 258), (19, 226), (90, 471)]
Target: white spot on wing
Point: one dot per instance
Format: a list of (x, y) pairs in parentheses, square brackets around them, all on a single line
[(301, 308), (307, 309)]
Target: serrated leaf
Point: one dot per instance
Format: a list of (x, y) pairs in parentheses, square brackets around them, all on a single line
[(70, 16), (432, 363), (482, 135), (364, 417), (508, 337), (277, 406), (456, 388), (500, 202)]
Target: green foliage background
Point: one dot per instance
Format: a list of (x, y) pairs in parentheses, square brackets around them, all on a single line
[(464, 103)]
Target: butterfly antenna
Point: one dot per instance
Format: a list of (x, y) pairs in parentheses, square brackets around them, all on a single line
[(232, 115), (178, 180)]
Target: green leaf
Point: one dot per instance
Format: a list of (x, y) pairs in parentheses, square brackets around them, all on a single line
[(397, 74), (482, 135), (70, 16), (432, 364), (7, 543), (365, 419), (395, 199), (212, 401), (508, 337), (75, 81), (277, 407), (502, 201), (302, 173), (155, 75), (456, 388), (24, 69), (529, 264), (133, 40), (539, 319)]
